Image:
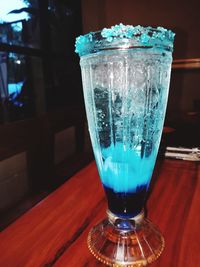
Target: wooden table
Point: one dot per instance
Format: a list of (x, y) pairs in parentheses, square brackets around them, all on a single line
[(54, 232)]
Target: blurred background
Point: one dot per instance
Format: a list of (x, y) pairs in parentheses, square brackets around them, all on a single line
[(43, 130)]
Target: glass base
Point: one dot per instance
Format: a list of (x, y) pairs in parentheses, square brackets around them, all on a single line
[(125, 242)]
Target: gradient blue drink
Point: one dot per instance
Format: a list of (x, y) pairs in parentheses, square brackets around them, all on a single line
[(126, 74)]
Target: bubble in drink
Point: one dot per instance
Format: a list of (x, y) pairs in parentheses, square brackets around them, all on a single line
[(125, 93)]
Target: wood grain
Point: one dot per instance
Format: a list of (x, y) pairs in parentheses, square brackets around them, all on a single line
[(41, 236), (54, 232)]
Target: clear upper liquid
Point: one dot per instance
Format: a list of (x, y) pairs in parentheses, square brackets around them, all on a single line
[(125, 95)]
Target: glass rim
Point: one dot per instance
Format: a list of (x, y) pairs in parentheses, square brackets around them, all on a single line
[(123, 37)]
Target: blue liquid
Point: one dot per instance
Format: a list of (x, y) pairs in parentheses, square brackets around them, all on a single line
[(125, 175), (124, 169), (126, 205), (126, 95)]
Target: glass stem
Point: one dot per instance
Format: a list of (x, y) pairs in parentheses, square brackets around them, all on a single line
[(126, 224)]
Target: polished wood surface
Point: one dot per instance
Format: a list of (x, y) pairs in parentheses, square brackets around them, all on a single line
[(54, 232)]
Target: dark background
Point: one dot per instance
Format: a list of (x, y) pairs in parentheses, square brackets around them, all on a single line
[(183, 18)]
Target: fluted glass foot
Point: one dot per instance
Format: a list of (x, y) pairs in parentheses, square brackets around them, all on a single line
[(125, 242)]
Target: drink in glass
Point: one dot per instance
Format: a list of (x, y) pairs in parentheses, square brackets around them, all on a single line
[(126, 75)]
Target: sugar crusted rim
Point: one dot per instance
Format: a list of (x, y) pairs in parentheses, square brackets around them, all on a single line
[(127, 35)]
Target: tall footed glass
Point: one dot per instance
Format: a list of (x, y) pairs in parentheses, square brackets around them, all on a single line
[(126, 75)]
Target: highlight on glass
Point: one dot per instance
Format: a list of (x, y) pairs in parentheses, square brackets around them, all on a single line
[(126, 75)]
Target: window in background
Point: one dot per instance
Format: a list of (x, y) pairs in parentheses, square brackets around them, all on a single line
[(39, 70), (19, 44), (19, 23), (17, 86)]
